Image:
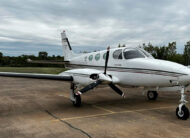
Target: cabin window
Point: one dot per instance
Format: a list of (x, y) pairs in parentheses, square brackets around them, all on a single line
[(132, 53), (97, 57), (104, 56), (117, 54), (90, 57)]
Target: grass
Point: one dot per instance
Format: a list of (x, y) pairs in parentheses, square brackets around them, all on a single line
[(43, 70)]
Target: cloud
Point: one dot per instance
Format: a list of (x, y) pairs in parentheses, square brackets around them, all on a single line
[(94, 23)]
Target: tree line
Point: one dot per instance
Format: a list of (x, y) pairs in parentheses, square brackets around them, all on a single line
[(169, 52), (159, 52), (22, 61)]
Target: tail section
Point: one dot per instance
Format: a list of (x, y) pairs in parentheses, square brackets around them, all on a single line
[(67, 50)]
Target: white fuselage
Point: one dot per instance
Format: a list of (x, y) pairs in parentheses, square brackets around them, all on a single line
[(147, 71)]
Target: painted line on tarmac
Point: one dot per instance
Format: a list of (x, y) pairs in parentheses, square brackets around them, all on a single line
[(87, 116), (151, 109), (95, 106), (104, 109), (110, 113)]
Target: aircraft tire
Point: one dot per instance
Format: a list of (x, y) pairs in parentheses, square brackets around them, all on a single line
[(77, 102), (152, 95), (184, 114)]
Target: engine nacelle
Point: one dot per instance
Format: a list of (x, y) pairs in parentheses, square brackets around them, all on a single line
[(87, 76), (84, 80)]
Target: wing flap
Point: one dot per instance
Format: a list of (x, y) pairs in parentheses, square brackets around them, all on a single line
[(37, 76)]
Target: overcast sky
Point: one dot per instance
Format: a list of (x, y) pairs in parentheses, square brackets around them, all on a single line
[(29, 26)]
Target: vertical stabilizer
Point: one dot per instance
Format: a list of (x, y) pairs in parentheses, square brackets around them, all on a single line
[(67, 50)]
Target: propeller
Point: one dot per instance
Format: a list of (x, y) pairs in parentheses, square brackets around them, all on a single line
[(117, 90), (106, 61), (89, 87), (102, 77)]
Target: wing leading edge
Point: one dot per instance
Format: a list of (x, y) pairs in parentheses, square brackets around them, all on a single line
[(37, 76)]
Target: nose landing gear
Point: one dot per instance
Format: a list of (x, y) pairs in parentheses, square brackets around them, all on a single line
[(182, 112)]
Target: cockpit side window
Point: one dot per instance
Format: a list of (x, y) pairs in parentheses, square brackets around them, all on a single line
[(117, 54), (132, 53)]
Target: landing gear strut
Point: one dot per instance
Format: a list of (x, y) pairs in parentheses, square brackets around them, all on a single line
[(182, 112), (76, 99), (152, 95)]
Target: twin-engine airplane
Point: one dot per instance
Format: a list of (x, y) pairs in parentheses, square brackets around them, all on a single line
[(124, 67)]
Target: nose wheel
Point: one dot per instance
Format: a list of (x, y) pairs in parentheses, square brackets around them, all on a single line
[(182, 112)]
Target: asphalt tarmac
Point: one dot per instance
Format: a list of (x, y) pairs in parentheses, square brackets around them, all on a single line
[(42, 109)]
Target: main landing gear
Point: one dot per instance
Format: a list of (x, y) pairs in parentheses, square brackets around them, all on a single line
[(152, 95), (182, 112), (76, 99)]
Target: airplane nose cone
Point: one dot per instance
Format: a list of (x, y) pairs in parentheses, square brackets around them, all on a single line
[(184, 80), (182, 70)]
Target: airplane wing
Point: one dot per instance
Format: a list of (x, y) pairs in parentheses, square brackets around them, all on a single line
[(94, 77), (37, 76)]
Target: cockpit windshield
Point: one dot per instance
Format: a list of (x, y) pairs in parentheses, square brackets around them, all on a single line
[(132, 53), (146, 53)]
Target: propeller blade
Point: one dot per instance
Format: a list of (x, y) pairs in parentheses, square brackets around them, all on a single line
[(117, 90), (89, 87), (106, 61)]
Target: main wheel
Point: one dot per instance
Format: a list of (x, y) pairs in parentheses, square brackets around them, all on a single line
[(184, 114), (77, 101), (152, 95)]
